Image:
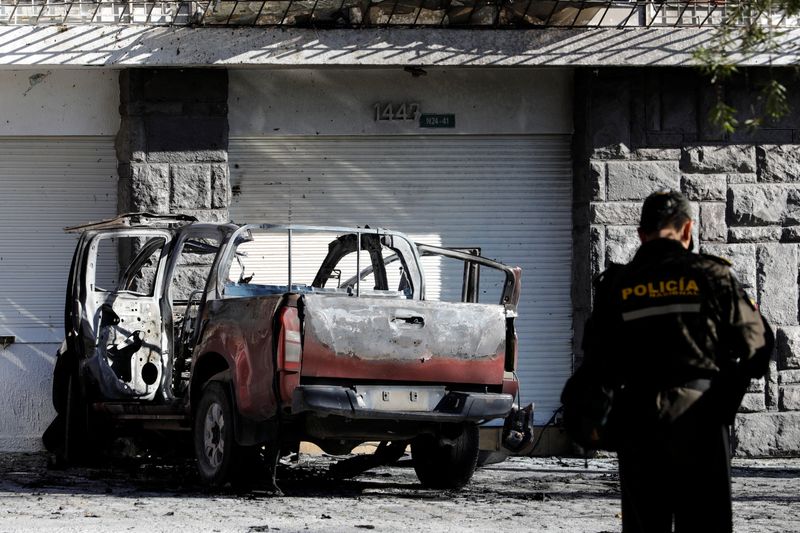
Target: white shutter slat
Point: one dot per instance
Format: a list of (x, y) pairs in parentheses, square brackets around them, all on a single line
[(48, 183)]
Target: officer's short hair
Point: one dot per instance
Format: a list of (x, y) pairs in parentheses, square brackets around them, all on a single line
[(663, 209)]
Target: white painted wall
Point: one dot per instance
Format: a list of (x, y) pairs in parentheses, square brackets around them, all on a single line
[(55, 113), (340, 101), (59, 102), (26, 408)]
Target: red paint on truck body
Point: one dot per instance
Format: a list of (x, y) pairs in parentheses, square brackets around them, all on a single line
[(241, 330)]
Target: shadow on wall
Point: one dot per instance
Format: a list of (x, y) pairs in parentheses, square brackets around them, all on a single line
[(25, 384), (173, 46)]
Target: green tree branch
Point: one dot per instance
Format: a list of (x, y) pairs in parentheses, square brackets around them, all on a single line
[(748, 28)]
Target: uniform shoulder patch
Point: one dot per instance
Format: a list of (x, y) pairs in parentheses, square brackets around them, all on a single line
[(717, 259)]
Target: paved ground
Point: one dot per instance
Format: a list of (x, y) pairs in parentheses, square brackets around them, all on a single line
[(524, 494)]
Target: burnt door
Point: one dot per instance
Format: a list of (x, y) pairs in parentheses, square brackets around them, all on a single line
[(117, 284)]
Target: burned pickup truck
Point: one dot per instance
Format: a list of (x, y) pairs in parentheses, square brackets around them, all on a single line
[(256, 337)]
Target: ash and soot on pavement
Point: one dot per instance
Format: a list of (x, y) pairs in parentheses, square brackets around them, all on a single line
[(520, 494)]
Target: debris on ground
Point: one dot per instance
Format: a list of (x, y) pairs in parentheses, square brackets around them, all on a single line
[(521, 494)]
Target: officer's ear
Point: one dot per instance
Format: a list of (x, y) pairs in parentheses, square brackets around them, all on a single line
[(685, 234)]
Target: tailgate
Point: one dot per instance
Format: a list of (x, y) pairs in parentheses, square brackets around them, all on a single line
[(388, 339)]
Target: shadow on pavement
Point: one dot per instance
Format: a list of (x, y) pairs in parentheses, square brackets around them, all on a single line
[(765, 472), (171, 477)]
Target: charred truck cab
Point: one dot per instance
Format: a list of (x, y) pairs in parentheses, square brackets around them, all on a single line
[(256, 337)]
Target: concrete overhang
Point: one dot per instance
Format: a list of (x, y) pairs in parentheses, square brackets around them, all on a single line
[(173, 46)]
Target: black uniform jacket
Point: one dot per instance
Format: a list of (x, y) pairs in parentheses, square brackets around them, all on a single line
[(670, 326)]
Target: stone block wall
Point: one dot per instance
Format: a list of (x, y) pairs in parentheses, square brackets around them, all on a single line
[(172, 149), (172, 145), (635, 136)]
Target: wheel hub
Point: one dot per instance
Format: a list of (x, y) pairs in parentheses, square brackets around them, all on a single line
[(213, 440)]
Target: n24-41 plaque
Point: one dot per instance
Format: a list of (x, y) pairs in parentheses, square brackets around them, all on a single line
[(430, 120)]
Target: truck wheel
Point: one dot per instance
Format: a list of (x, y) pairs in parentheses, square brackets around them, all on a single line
[(446, 463), (218, 455)]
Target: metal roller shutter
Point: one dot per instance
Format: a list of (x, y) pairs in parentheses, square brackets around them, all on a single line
[(509, 195), (47, 184)]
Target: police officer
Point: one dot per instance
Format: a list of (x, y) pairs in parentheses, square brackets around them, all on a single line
[(675, 334)]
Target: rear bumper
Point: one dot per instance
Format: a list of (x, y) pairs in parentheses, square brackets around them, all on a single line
[(454, 407)]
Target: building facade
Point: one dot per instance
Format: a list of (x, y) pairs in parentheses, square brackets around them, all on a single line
[(534, 145)]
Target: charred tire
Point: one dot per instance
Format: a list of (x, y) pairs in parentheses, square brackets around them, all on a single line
[(446, 463), (219, 458)]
